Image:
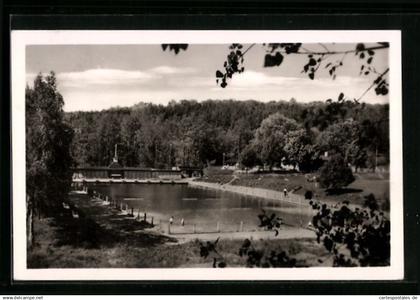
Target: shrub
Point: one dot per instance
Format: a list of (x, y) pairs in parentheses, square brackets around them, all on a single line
[(309, 195), (335, 173)]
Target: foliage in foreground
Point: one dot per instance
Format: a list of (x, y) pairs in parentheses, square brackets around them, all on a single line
[(254, 257), (355, 236)]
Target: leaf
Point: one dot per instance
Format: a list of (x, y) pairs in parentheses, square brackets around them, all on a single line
[(219, 74), (223, 84), (311, 76), (340, 97), (360, 47), (312, 62), (328, 243), (164, 46), (273, 60), (246, 243), (183, 46), (369, 60)]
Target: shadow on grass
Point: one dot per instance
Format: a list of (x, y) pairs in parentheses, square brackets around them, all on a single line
[(84, 232), (342, 191)]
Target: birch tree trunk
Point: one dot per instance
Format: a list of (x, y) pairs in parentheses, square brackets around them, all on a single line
[(29, 222)]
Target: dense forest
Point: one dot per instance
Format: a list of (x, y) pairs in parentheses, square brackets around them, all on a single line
[(251, 133)]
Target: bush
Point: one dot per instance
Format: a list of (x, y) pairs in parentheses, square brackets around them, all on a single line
[(335, 173), (308, 195)]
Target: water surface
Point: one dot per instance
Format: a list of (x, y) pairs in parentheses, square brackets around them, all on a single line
[(202, 207)]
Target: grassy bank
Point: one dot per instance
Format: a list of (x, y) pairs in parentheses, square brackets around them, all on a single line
[(366, 183), (52, 253), (102, 238)]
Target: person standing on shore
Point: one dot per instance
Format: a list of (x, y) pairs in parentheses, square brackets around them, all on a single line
[(285, 192), (171, 220)]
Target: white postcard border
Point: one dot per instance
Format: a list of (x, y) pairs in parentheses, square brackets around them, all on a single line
[(22, 38)]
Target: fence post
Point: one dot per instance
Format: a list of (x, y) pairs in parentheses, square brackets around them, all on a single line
[(152, 220), (169, 228), (144, 218), (218, 226), (193, 228), (241, 226)]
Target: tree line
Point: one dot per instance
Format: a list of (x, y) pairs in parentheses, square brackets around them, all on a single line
[(216, 132)]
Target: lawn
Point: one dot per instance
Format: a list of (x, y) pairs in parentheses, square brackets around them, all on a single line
[(364, 184)]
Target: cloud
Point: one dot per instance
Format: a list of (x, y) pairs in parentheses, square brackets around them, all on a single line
[(114, 77), (167, 70), (94, 77), (253, 79), (99, 77)]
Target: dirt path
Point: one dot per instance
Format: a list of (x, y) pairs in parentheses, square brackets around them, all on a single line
[(284, 233)]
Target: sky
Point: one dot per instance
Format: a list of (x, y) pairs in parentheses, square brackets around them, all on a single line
[(96, 77)]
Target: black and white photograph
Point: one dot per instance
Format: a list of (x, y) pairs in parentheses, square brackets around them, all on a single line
[(207, 155)]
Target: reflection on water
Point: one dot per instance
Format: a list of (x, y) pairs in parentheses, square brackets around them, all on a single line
[(200, 206)]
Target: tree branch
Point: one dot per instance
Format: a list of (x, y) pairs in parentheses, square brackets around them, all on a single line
[(252, 45), (325, 47), (339, 52), (371, 86)]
